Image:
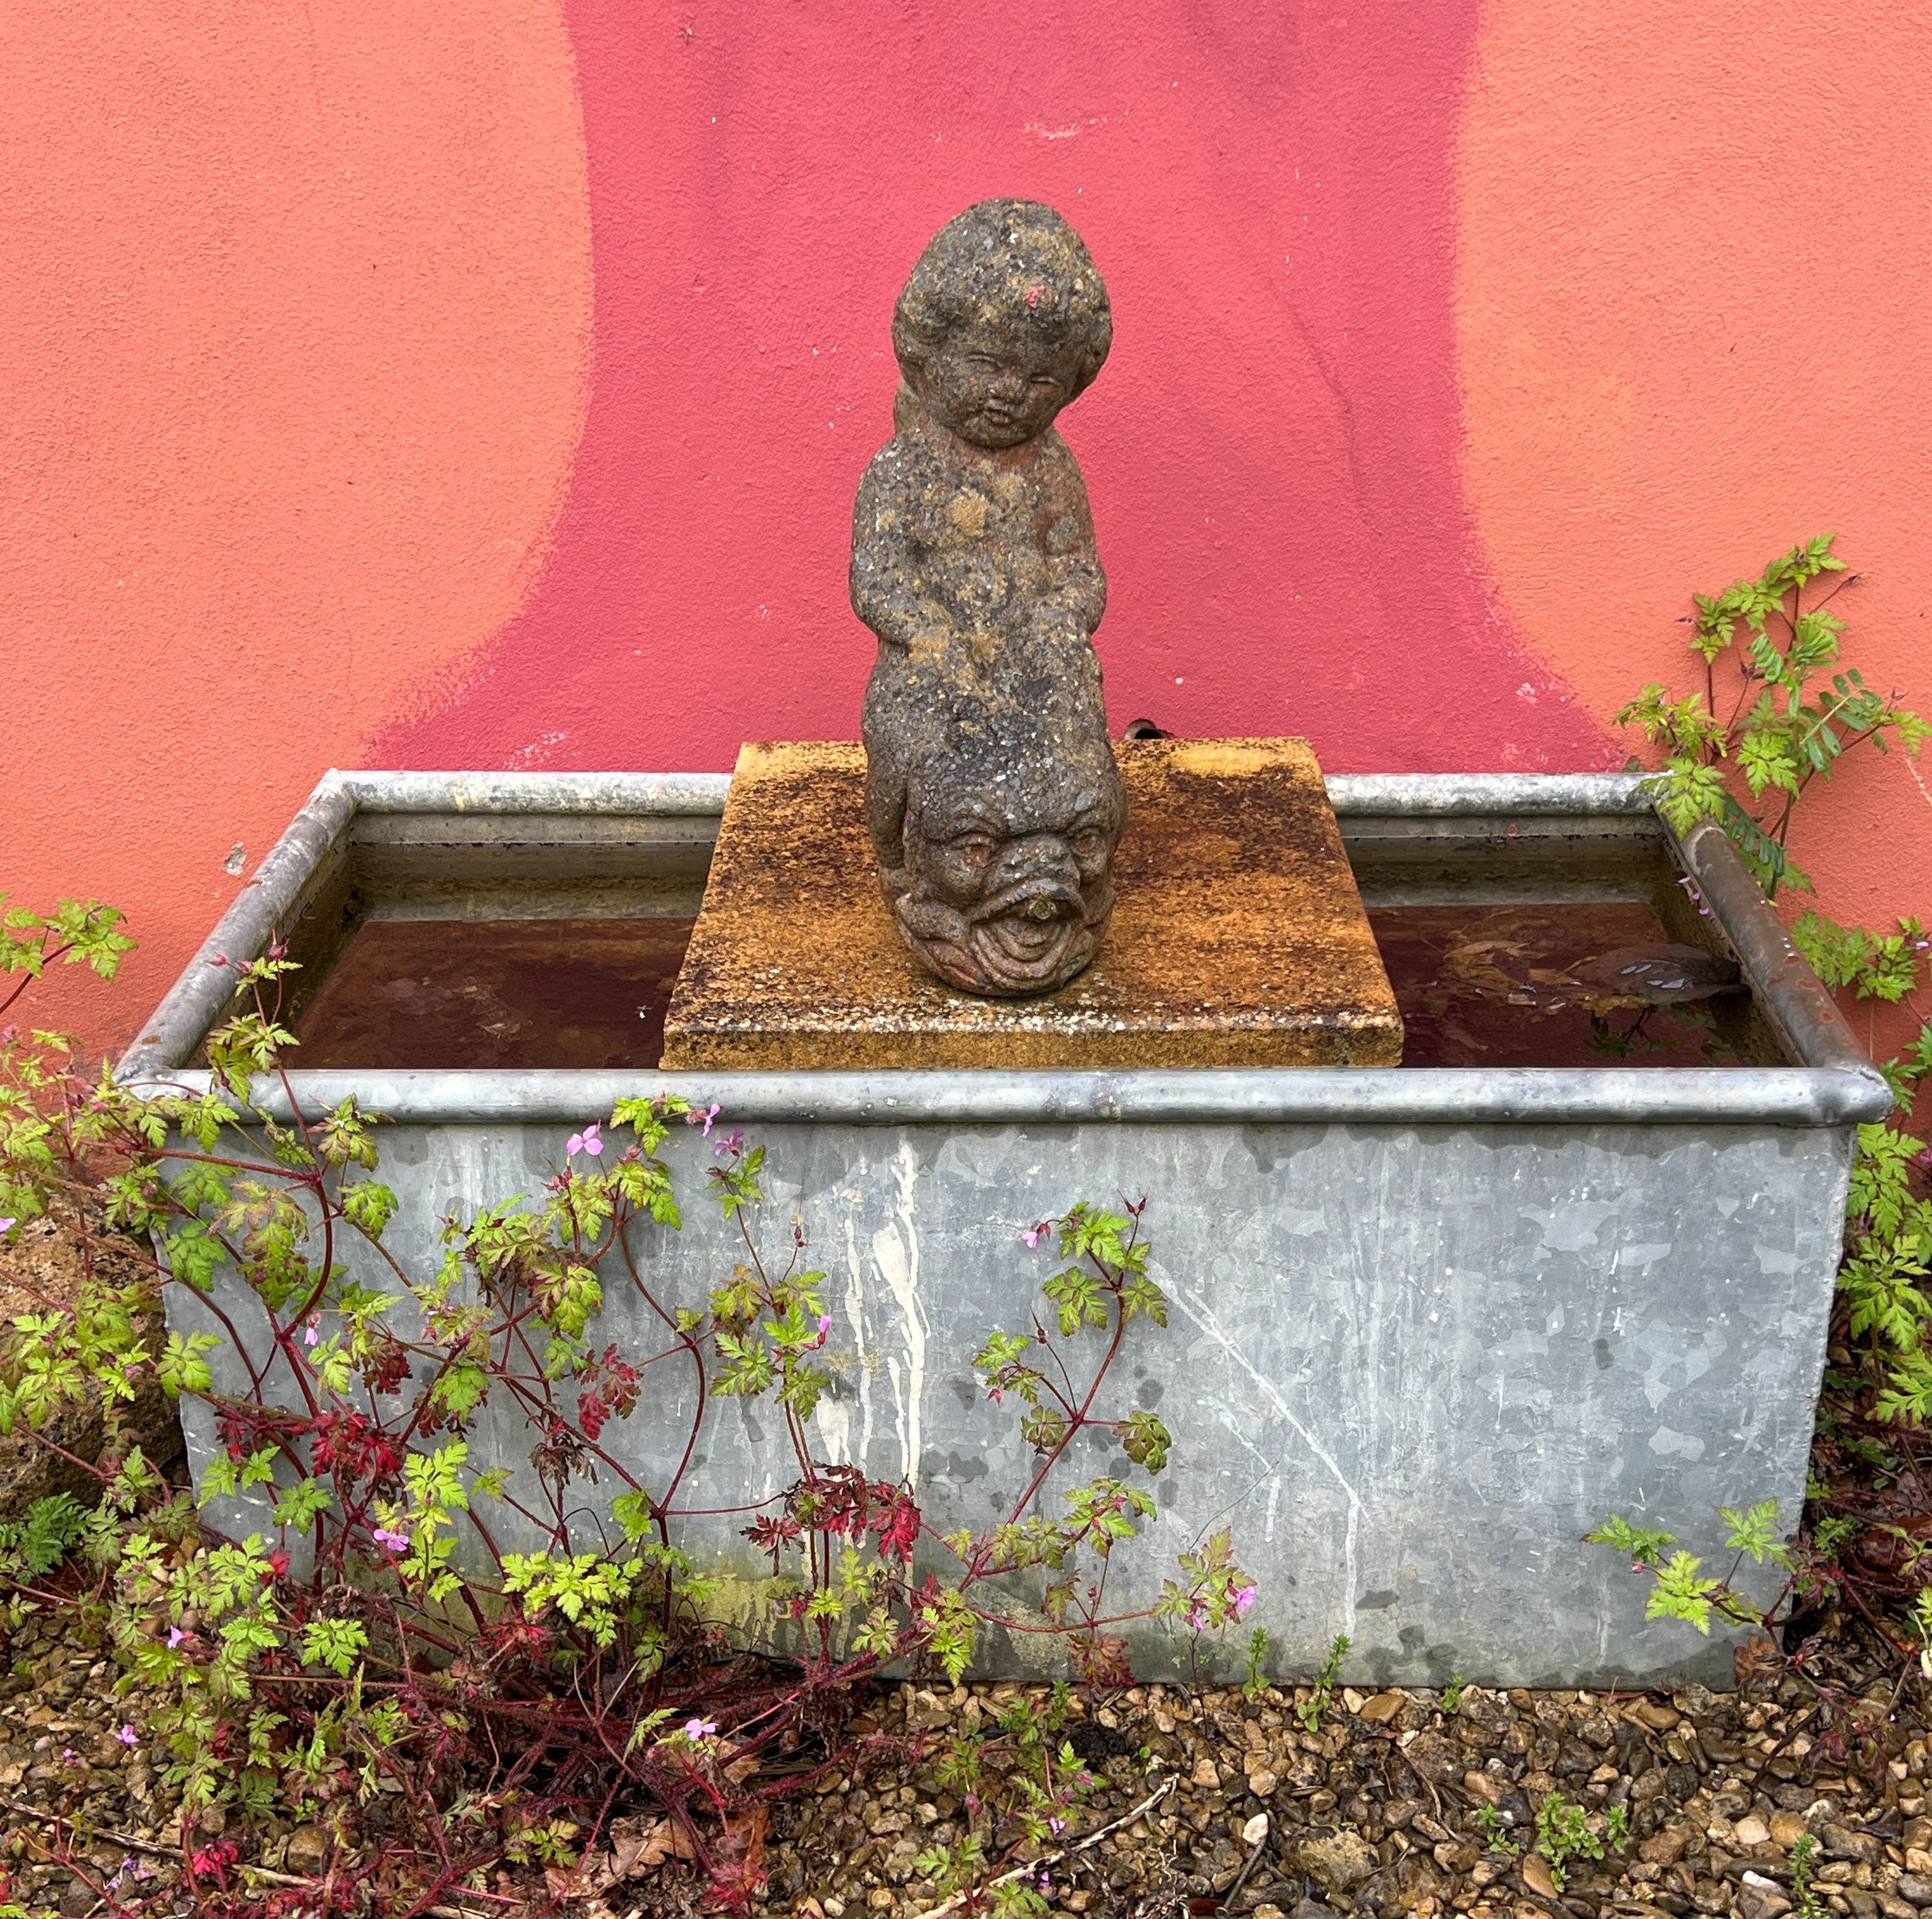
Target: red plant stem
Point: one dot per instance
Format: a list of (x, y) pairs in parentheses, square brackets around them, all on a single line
[(662, 1509), (1079, 1418), (27, 979)]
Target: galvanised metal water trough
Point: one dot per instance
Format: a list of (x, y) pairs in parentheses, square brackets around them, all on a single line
[(1428, 1326)]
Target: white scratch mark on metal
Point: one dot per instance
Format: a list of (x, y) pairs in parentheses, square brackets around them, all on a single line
[(1205, 1320)]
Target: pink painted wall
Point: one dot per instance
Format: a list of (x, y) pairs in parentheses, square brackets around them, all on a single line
[(490, 389)]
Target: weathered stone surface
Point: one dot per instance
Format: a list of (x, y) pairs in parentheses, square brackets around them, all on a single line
[(1240, 938), (1840, 1843), (1669, 1846), (1402, 1886), (993, 798), (1338, 1860)]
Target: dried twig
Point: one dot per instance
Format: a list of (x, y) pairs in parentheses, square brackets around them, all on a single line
[(113, 1838), (1039, 1865), (289, 1879), (1241, 1878)]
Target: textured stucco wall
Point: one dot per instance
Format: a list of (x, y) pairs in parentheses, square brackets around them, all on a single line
[(488, 386)]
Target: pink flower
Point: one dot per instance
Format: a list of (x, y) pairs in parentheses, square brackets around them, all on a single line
[(220, 959), (175, 1636), (1244, 1599), (8, 1223), (587, 1141), (705, 1118), (1043, 1231), (700, 1728), (728, 1145), (1056, 1827), (314, 1332), (128, 1736), (395, 1542)]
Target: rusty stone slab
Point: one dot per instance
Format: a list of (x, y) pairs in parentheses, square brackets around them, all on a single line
[(1241, 940)]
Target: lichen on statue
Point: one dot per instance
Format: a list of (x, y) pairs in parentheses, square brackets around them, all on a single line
[(992, 797)]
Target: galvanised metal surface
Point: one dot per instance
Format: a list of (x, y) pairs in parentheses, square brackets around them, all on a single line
[(1428, 1326)]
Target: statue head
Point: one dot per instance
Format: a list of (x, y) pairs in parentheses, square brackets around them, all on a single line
[(1003, 321), (1007, 840)]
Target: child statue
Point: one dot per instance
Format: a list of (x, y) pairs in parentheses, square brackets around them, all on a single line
[(991, 794)]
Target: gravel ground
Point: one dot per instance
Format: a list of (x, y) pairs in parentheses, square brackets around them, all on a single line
[(67, 1779), (1375, 1814)]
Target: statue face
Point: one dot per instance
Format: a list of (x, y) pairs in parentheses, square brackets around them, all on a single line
[(997, 387), (1009, 891)]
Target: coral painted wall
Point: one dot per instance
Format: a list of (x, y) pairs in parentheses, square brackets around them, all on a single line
[(488, 386)]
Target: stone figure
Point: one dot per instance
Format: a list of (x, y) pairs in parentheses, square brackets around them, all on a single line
[(992, 796)]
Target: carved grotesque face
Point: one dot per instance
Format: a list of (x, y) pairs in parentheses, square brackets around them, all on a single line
[(1008, 892)]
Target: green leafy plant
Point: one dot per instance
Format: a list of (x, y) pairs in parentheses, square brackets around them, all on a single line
[(1564, 1831), (1679, 1589), (1488, 1822), (1452, 1695), (1792, 714), (1309, 1712), (1021, 1784), (1255, 1682), (1918, 1626), (376, 1640), (1744, 750), (33, 1545), (1805, 1898), (1888, 1231), (1879, 969), (77, 933)]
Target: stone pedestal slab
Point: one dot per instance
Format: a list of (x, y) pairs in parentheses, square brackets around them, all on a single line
[(1239, 938)]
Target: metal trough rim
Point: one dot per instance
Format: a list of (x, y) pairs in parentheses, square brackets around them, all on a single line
[(1835, 1086)]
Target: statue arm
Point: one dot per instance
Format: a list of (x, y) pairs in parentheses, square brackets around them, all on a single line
[(1078, 588), (887, 584)]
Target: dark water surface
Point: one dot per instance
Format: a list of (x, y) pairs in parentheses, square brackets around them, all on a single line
[(1478, 986), (508, 993), (1497, 986)]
